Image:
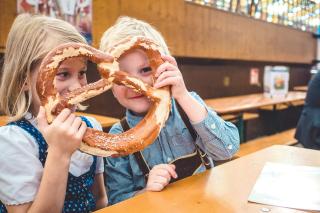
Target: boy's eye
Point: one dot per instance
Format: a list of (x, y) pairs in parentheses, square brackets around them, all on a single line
[(146, 69), (83, 73)]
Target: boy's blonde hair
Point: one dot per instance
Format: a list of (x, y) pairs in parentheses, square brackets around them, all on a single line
[(30, 38), (126, 27)]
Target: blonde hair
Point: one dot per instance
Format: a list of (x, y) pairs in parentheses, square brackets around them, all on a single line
[(126, 27), (30, 38)]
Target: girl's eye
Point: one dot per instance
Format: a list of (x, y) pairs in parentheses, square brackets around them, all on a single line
[(146, 69), (63, 74)]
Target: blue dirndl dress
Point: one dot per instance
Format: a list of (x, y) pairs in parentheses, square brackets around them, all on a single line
[(78, 198)]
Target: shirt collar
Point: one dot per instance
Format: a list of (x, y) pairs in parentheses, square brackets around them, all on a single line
[(29, 117), (133, 119)]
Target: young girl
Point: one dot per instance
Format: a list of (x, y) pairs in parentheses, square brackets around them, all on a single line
[(193, 135), (41, 169)]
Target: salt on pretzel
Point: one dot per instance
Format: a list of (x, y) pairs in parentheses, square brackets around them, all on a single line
[(97, 142)]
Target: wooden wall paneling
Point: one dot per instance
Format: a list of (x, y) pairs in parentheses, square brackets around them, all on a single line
[(164, 15), (203, 32), (196, 31), (104, 14), (7, 15), (225, 35)]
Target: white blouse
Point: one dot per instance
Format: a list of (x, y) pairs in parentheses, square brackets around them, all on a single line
[(21, 169)]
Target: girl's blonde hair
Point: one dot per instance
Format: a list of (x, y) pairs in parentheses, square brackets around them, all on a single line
[(126, 27), (30, 38)]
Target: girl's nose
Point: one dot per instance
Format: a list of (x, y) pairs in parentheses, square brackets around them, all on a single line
[(75, 84)]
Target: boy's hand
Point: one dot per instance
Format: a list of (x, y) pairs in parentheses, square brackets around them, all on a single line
[(64, 134), (168, 74), (159, 176)]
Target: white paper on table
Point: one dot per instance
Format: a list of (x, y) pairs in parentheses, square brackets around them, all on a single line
[(288, 186)]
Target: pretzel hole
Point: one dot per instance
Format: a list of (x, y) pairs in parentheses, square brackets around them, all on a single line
[(79, 97)]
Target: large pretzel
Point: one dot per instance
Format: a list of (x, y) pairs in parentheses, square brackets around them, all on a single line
[(97, 142)]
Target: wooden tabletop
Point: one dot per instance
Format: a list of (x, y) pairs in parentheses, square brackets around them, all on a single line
[(301, 88), (3, 120), (253, 101), (224, 188), (105, 121)]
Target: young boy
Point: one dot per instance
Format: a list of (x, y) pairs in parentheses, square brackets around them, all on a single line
[(184, 146)]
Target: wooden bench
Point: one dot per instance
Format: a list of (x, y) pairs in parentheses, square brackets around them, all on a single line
[(240, 120), (283, 105), (301, 88), (283, 138), (246, 116)]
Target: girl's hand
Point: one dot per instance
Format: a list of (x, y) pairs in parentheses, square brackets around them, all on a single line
[(159, 176), (168, 74), (64, 134)]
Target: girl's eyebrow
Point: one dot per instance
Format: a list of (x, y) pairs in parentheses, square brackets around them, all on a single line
[(85, 66)]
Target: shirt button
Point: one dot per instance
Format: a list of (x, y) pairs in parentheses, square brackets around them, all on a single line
[(168, 159), (213, 126), (230, 146)]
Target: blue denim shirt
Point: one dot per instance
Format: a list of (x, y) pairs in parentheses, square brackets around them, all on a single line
[(218, 138)]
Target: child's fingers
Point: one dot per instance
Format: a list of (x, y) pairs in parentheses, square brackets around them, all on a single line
[(170, 59), (64, 114), (168, 81), (70, 120), (155, 187), (76, 123), (162, 68), (166, 74), (157, 183), (160, 176), (82, 130), (172, 171), (161, 172), (170, 168), (41, 118), (161, 180), (165, 67)]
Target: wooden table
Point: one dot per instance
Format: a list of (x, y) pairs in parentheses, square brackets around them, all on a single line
[(301, 88), (105, 121), (243, 103), (239, 104), (224, 189), (3, 120)]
